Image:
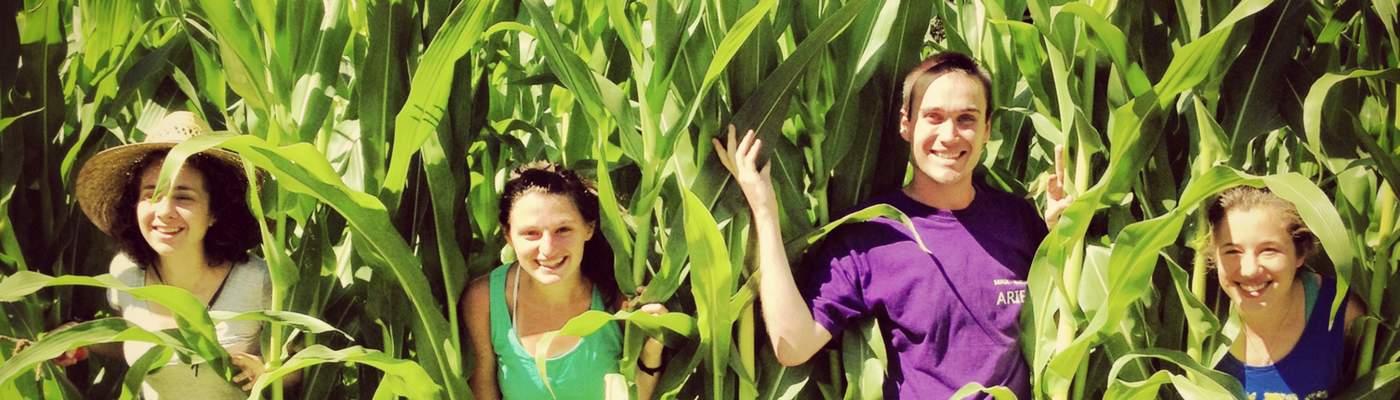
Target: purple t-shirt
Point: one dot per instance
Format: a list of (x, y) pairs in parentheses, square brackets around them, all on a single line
[(950, 317)]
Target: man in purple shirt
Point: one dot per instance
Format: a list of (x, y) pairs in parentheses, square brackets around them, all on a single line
[(950, 316)]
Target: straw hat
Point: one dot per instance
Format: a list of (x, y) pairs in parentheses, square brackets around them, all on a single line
[(102, 179)]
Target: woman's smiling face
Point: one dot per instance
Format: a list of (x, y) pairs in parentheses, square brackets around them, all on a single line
[(548, 234), (174, 224), (1256, 257)]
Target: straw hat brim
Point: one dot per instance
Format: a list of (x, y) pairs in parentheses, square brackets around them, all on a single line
[(101, 182)]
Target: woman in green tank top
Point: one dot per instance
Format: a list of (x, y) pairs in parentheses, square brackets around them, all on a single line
[(550, 215)]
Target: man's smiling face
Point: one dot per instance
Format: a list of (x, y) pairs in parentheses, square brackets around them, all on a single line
[(948, 129)]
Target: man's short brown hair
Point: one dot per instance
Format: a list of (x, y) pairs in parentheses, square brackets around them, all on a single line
[(917, 82)]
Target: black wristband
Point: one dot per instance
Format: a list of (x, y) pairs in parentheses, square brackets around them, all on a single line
[(642, 366)]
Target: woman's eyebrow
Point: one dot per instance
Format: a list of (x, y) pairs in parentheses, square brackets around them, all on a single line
[(177, 188)]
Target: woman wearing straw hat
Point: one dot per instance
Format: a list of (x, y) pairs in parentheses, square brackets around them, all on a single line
[(195, 236)]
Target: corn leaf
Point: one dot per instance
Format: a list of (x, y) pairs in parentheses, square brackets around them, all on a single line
[(105, 330), (401, 377), (711, 282)]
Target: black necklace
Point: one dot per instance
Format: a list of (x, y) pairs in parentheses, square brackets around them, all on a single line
[(212, 300), (217, 291)]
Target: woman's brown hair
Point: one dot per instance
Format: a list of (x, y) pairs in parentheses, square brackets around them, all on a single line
[(1247, 198), (227, 241), (546, 177)]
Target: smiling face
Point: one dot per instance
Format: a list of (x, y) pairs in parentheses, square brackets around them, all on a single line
[(948, 130), (174, 224), (548, 234), (1256, 257)]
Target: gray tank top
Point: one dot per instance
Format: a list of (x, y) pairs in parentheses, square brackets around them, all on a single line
[(248, 288)]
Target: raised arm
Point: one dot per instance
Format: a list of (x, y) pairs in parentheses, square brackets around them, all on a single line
[(650, 357), (1056, 199), (795, 335)]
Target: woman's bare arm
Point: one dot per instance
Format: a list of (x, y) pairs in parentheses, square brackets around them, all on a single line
[(650, 357), (476, 310)]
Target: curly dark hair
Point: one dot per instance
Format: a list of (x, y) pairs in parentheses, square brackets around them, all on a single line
[(546, 177), (227, 241)]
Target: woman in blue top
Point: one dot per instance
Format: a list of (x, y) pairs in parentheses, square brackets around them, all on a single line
[(1286, 346), (563, 268)]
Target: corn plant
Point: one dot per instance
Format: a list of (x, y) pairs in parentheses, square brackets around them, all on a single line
[(387, 127)]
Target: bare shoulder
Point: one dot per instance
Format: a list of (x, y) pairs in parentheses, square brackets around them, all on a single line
[(476, 314), (125, 269), (1355, 309), (477, 302)]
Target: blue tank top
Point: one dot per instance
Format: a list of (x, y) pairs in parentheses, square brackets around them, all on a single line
[(1313, 368)]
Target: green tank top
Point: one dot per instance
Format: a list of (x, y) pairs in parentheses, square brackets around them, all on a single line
[(577, 374)]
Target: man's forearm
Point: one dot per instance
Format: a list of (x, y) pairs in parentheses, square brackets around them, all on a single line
[(792, 330)]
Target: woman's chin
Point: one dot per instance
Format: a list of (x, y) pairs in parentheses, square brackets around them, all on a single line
[(1248, 303), (162, 248), (547, 276)]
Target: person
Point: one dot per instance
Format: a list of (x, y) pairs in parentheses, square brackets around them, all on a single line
[(949, 316), (1288, 346), (563, 268), (196, 236)]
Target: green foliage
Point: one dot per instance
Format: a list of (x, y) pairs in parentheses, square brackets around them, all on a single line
[(384, 129)]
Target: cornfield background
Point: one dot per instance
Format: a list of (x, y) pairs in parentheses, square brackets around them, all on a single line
[(387, 127)]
